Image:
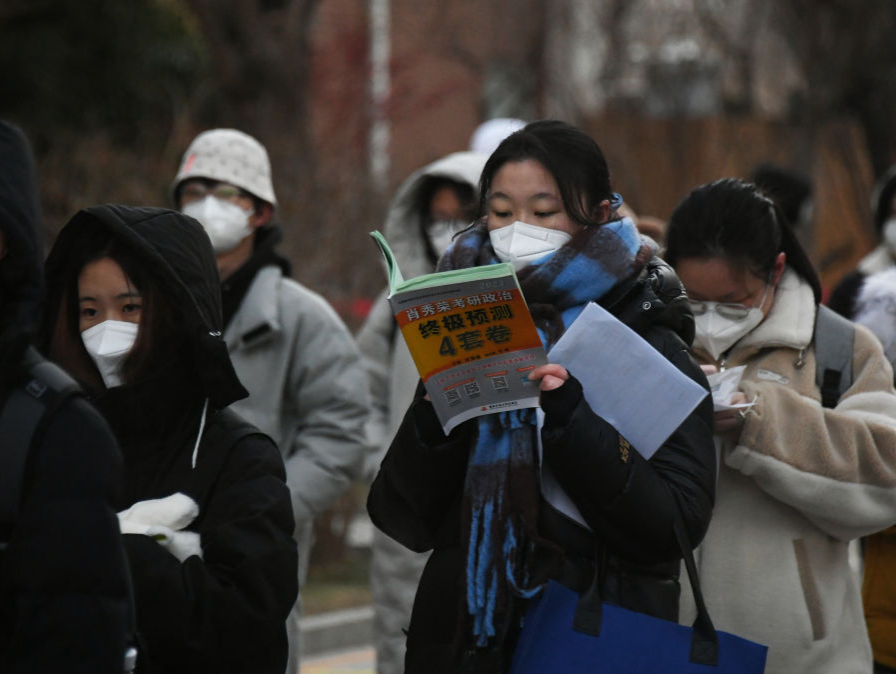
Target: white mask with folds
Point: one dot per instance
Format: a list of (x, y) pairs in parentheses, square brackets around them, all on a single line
[(717, 333), (108, 344), (521, 243), (225, 223)]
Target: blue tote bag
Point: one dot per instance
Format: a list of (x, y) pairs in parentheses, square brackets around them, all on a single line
[(568, 633)]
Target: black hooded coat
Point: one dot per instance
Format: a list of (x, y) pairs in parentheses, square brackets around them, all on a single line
[(64, 599), (224, 611)]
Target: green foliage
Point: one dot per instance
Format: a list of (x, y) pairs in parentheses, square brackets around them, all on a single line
[(78, 67)]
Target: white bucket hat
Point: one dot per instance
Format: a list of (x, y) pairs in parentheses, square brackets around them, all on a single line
[(230, 156)]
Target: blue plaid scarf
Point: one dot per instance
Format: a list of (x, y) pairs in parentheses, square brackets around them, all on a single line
[(505, 554)]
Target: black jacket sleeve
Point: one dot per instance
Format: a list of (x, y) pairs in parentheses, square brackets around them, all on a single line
[(420, 478), (226, 611), (66, 576), (628, 501)]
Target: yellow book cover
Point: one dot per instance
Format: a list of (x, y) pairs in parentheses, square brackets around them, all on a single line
[(471, 336)]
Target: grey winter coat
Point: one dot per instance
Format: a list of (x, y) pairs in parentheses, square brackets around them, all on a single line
[(306, 387)]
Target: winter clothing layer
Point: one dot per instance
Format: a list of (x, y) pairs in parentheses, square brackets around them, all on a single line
[(500, 494), (64, 594), (794, 488), (843, 296), (628, 502), (395, 570), (303, 372), (226, 611), (307, 390)]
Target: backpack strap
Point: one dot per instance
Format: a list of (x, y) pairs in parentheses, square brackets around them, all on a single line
[(834, 339), (47, 386)]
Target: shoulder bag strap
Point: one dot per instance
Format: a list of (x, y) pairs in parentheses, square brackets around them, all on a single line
[(834, 337), (704, 641)]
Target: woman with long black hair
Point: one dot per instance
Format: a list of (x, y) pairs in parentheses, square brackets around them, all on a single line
[(135, 315), (798, 479), (474, 496)]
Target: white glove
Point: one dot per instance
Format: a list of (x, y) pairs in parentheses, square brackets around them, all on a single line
[(163, 520)]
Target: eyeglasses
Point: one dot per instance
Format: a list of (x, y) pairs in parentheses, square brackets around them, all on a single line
[(195, 191), (733, 310)]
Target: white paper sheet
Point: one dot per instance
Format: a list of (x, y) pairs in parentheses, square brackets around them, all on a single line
[(627, 382), (725, 384)]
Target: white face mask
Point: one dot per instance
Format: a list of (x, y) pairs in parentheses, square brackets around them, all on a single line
[(442, 232), (889, 235), (225, 223), (108, 344), (716, 333), (521, 243)]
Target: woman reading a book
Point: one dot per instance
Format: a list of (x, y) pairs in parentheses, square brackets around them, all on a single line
[(474, 497)]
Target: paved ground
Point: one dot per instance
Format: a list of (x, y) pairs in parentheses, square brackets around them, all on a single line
[(354, 661)]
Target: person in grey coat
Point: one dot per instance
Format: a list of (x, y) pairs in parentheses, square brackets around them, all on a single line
[(290, 349), (431, 205)]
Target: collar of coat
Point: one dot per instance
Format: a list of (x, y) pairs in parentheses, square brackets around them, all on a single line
[(258, 317), (791, 321)]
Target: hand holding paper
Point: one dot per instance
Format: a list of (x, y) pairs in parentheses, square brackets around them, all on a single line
[(725, 392), (729, 402)]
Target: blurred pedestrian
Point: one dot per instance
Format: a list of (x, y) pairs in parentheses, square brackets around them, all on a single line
[(883, 208), (791, 190), (797, 479), (290, 349), (547, 182), (876, 310), (64, 595), (135, 315), (433, 205)]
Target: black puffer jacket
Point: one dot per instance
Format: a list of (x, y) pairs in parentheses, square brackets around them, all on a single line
[(628, 502), (64, 601), (225, 611)]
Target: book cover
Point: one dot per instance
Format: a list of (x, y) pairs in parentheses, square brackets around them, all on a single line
[(471, 336)]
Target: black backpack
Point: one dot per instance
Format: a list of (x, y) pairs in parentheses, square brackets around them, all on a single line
[(23, 420)]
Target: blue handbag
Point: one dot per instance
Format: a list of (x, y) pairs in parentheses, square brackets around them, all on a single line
[(569, 633)]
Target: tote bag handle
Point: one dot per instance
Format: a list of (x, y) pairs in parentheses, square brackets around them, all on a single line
[(704, 640)]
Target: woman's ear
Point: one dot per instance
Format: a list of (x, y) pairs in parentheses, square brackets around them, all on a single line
[(602, 211), (778, 270)]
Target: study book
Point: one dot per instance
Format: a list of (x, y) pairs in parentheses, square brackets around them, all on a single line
[(471, 336)]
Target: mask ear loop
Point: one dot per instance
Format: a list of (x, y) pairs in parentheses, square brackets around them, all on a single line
[(199, 435)]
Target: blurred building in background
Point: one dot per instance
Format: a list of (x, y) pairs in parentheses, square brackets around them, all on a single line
[(352, 95)]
